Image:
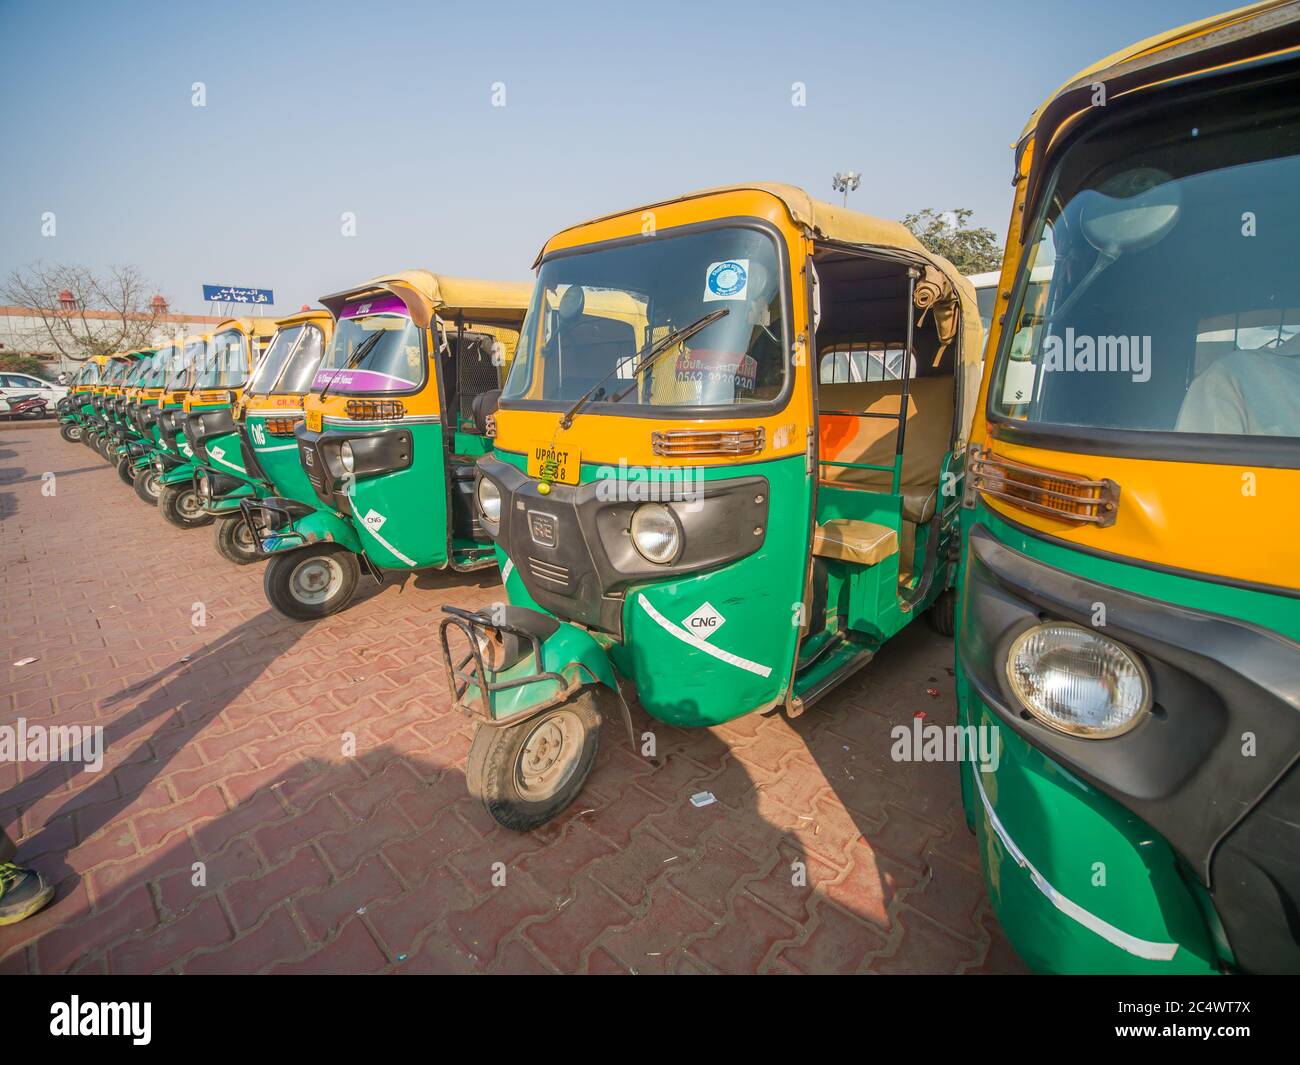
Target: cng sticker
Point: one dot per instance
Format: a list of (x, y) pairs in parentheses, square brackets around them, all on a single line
[(374, 521), (258, 434), (704, 622), (217, 453)]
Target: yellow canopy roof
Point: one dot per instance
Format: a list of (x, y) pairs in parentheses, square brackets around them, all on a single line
[(1101, 70), (312, 314), (253, 327), (426, 294)]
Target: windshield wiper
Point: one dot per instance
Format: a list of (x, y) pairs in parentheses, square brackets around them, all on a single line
[(644, 362), (363, 349)]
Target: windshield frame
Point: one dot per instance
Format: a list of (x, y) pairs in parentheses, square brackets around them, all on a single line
[(427, 377), (1229, 449), (683, 412)]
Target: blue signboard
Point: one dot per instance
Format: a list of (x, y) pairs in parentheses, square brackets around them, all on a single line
[(233, 294)]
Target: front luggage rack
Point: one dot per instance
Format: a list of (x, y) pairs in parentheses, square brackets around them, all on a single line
[(1065, 496), (459, 678)]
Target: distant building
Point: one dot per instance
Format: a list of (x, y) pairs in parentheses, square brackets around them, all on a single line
[(22, 331)]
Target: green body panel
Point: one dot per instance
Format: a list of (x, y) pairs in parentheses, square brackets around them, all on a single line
[(182, 474), (400, 518), (1062, 825), (746, 664), (278, 457), (312, 528), (571, 652), (224, 455)]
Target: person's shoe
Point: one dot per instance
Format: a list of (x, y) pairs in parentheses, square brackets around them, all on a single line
[(23, 892)]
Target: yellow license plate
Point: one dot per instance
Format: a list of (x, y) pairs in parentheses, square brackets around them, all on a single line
[(314, 421), (548, 463)]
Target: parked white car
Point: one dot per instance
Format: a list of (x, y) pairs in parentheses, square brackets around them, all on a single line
[(24, 384)]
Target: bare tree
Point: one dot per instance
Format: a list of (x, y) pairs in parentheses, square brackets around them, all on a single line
[(86, 313)]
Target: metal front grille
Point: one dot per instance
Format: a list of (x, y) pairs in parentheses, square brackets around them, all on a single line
[(1041, 491), (549, 571)]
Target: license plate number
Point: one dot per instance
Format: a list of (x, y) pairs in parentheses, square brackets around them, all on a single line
[(548, 463)]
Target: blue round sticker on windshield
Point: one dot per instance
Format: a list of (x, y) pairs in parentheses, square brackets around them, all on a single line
[(727, 280)]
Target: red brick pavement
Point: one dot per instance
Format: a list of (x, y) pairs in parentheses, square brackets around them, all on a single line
[(228, 831)]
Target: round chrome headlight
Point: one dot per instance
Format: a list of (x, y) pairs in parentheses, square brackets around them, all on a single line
[(655, 533), (1078, 681), (489, 500), (346, 458)]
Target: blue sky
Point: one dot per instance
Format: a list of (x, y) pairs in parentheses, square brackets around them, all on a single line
[(386, 112)]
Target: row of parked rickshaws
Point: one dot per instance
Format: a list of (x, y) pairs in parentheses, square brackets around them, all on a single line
[(729, 444)]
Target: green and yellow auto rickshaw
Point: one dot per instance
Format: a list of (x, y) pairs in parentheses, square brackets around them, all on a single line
[(222, 363), (206, 436), (260, 434), (113, 372), (167, 367), (732, 497), (1130, 595), (73, 409), (389, 439), (122, 429), (189, 359)]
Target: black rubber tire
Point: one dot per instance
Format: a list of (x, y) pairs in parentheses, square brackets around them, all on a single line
[(494, 757), (942, 614), (71, 432), (174, 503), (146, 485), (235, 543), (277, 582), (124, 470), (103, 445)]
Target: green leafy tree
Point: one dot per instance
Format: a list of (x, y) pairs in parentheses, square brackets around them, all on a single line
[(973, 250), (29, 364)]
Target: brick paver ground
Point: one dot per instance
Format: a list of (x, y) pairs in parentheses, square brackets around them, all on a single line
[(228, 831)]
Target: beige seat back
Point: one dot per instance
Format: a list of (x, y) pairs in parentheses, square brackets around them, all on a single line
[(845, 438)]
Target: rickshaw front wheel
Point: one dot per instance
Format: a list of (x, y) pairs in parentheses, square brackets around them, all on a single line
[(146, 485), (124, 470), (526, 774), (71, 432), (182, 506), (312, 582), (943, 612), (236, 543)]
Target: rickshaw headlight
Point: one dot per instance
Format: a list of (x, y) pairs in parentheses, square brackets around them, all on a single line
[(205, 486), (1078, 681), (655, 533), (346, 458), (489, 500)]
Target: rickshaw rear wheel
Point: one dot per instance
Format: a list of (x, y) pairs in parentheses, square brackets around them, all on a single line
[(124, 470), (70, 432), (312, 582), (146, 486), (943, 613), (236, 543), (526, 774), (182, 506)]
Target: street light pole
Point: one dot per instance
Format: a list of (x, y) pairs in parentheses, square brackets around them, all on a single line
[(846, 182)]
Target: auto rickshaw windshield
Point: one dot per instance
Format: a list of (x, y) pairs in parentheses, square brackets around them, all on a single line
[(596, 313), (378, 351), (1161, 290), (289, 363), (226, 364)]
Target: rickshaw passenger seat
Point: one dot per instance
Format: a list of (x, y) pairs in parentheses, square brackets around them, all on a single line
[(845, 438), (861, 542)]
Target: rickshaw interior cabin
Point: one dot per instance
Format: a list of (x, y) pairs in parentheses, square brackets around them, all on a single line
[(880, 479)]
